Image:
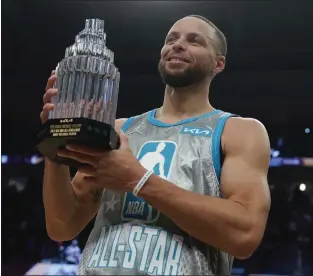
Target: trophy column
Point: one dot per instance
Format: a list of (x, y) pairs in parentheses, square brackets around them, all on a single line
[(86, 103)]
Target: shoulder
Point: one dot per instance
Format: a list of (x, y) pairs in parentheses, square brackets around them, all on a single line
[(119, 124), (248, 125), (245, 133)]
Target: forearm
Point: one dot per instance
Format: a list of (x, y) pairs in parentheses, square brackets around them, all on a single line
[(58, 195), (221, 223)]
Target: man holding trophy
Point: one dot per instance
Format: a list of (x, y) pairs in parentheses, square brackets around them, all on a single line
[(179, 190)]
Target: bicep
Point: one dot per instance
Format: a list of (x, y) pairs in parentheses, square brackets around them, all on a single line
[(244, 173), (243, 183)]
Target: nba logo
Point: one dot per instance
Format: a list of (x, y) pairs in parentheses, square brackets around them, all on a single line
[(156, 156)]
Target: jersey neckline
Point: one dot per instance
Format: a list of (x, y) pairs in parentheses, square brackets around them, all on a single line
[(152, 120)]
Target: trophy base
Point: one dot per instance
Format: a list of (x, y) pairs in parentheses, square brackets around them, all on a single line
[(55, 134)]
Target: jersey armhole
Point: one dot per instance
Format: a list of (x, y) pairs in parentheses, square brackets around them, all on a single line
[(217, 151), (127, 124)]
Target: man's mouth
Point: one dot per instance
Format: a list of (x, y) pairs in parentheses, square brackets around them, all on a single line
[(177, 59)]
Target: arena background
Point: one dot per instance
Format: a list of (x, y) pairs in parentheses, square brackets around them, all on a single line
[(269, 76)]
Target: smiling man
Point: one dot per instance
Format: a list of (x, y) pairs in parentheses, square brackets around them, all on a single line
[(186, 192)]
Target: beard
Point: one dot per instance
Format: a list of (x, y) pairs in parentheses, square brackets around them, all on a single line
[(184, 78)]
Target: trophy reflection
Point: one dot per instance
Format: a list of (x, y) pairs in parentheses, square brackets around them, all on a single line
[(86, 102)]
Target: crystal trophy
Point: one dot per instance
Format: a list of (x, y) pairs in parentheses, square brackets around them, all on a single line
[(86, 102)]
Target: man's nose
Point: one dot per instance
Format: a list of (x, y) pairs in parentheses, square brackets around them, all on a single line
[(179, 45)]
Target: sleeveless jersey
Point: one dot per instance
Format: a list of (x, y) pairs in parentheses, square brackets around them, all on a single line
[(130, 237)]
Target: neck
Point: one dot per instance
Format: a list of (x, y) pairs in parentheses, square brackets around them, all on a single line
[(180, 103)]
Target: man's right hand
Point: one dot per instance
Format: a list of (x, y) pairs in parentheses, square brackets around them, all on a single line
[(50, 92)]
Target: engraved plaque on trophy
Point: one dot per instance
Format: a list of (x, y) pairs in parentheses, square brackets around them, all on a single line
[(86, 102)]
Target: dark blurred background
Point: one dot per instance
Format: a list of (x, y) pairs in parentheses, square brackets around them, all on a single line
[(269, 76)]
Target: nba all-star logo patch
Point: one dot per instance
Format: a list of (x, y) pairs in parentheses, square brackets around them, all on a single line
[(156, 156)]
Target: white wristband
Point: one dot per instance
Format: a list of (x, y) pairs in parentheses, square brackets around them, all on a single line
[(142, 182)]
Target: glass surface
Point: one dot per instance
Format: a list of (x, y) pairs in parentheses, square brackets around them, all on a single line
[(87, 79)]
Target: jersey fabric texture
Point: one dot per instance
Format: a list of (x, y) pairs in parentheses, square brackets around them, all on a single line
[(130, 237)]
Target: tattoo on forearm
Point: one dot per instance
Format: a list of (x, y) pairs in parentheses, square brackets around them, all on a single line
[(97, 194)]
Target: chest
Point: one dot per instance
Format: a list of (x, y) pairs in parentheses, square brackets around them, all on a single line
[(173, 153), (178, 155), (184, 137)]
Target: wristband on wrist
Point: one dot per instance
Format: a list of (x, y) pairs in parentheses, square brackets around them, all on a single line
[(142, 182)]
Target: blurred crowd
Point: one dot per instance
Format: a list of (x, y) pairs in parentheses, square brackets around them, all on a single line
[(287, 246), (24, 237)]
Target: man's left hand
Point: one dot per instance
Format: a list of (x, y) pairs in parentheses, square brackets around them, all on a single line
[(116, 170)]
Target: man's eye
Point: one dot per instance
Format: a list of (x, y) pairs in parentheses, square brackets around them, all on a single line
[(195, 40), (171, 40)]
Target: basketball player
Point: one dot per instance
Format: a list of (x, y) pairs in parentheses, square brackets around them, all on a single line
[(207, 199)]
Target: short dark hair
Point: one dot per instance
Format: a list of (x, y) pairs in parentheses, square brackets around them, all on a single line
[(222, 42)]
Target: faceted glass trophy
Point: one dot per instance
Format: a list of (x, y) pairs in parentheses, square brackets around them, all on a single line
[(86, 102)]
